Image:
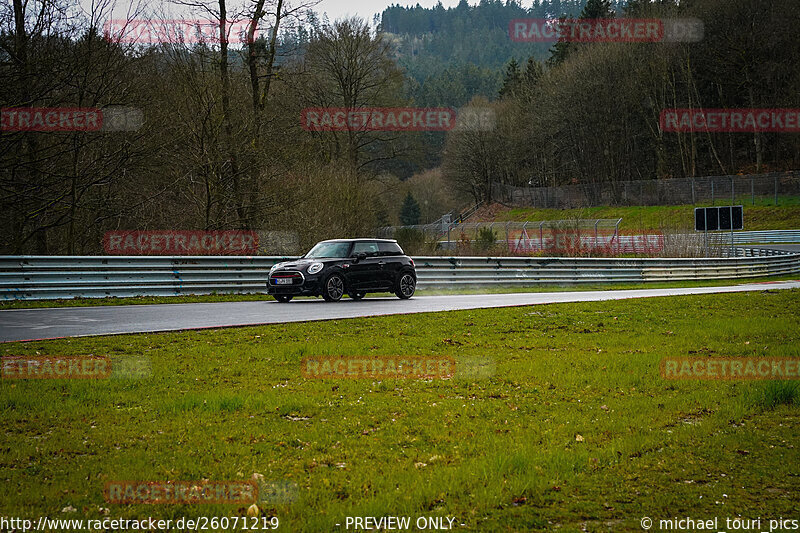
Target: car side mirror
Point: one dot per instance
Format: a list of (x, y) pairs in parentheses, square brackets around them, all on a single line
[(361, 256)]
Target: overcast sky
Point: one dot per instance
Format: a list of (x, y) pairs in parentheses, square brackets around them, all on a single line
[(335, 9)]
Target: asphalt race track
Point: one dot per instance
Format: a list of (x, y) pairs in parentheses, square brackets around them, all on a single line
[(37, 324)]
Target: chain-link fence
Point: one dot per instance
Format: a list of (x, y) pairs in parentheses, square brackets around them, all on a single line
[(723, 190), (576, 237)]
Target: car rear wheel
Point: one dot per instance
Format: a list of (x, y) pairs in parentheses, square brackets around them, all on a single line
[(357, 295), (333, 289), (406, 286), (283, 299)]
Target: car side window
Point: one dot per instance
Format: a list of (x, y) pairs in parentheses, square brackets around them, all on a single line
[(369, 248), (389, 248)]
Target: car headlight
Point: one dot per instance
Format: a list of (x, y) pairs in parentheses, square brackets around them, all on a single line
[(315, 267), (271, 270)]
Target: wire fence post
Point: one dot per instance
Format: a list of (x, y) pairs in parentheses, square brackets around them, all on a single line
[(776, 190), (524, 234), (541, 235), (448, 236)]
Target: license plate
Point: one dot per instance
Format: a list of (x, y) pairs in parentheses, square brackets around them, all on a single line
[(283, 281)]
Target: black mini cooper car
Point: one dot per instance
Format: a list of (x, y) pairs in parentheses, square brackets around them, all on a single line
[(352, 266)]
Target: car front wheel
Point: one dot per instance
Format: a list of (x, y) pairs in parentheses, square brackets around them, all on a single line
[(333, 289), (406, 286)]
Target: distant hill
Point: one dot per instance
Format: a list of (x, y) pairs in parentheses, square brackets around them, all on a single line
[(451, 55), (461, 51)]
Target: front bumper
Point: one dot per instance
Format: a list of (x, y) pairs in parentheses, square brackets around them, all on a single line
[(302, 285)]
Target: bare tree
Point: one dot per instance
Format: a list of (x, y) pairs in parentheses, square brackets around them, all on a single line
[(347, 65)]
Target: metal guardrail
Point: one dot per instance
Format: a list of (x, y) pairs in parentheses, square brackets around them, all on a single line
[(51, 277), (754, 252), (460, 271), (790, 236)]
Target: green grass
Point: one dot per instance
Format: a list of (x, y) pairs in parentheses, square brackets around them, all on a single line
[(150, 300), (498, 454), (775, 393), (762, 216)]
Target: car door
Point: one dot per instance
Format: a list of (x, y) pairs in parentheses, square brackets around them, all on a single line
[(367, 273), (392, 257)]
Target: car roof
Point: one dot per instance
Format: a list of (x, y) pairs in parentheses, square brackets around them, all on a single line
[(360, 240)]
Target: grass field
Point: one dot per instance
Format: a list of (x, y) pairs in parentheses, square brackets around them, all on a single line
[(573, 430), (762, 216)]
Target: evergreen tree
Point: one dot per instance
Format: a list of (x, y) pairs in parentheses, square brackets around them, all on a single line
[(560, 50), (410, 213), (636, 7), (598, 9), (594, 9), (533, 71), (530, 79), (512, 80)]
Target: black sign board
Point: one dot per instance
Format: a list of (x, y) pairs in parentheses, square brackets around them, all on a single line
[(718, 218)]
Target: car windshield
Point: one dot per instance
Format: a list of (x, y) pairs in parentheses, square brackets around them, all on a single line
[(328, 249)]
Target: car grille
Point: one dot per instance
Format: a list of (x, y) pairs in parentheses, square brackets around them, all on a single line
[(295, 277)]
